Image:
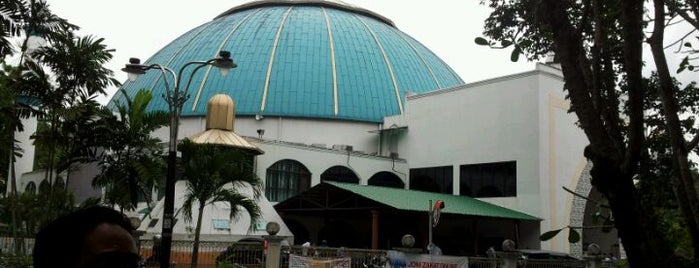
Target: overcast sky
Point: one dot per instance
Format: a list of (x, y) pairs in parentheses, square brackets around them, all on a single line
[(139, 28)]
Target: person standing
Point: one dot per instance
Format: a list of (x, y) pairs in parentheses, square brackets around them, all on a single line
[(87, 238)]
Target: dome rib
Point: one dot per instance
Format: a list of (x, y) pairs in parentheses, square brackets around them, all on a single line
[(387, 61), (310, 60), (271, 59), (422, 59), (332, 4), (223, 43), (331, 42), (159, 74), (175, 56)]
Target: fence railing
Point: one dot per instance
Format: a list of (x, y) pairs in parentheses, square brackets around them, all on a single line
[(251, 255), (7, 245), (360, 258), (480, 262)]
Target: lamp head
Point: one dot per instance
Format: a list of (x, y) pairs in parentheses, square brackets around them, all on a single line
[(224, 62), (272, 228), (134, 69)]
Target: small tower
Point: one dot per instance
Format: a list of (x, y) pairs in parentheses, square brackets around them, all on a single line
[(220, 120)]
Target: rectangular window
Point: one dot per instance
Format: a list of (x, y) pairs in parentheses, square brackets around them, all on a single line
[(488, 179), (221, 224), (432, 179)]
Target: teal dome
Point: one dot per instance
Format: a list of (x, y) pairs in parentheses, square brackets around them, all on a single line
[(308, 59)]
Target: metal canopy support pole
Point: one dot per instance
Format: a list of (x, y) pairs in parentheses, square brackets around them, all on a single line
[(374, 229), (429, 225)]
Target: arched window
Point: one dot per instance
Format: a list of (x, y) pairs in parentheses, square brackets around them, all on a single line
[(286, 178), (31, 188), (44, 187), (339, 174), (386, 179), (59, 184)]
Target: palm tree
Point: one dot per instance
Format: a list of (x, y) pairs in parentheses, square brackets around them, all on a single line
[(75, 67), (216, 173), (133, 163), (20, 18)]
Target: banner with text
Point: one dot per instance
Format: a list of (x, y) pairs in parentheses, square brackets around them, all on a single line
[(434, 261), (296, 261)]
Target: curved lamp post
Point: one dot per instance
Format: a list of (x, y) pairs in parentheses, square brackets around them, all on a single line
[(175, 97)]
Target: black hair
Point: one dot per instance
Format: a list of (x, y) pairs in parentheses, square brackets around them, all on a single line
[(60, 243)]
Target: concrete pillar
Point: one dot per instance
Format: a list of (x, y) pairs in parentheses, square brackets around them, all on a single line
[(509, 259), (274, 246), (593, 259), (509, 256), (374, 229)]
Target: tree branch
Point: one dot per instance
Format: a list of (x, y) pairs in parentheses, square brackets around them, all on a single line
[(569, 48), (585, 197), (632, 23), (673, 6), (693, 143)]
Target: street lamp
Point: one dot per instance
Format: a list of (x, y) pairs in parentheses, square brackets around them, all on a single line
[(175, 100)]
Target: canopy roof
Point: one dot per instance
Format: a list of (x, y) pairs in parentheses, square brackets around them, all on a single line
[(334, 195)]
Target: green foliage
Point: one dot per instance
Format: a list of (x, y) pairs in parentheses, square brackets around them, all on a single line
[(599, 46), (132, 164), (216, 173), (481, 41), (33, 210), (573, 236), (11, 261), (550, 234)]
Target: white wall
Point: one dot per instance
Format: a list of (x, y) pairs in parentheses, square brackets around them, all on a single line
[(24, 163), (317, 160), (299, 130), (561, 154), (523, 118), (491, 121)]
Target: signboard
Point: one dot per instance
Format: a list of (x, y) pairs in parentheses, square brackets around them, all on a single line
[(427, 261), (261, 225), (296, 261)]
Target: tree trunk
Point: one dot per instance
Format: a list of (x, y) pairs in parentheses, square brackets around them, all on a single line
[(197, 232), (637, 228), (613, 165), (682, 182)]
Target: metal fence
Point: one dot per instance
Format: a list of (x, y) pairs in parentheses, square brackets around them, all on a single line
[(181, 253), (360, 258), (251, 255), (7, 245), (479, 262)]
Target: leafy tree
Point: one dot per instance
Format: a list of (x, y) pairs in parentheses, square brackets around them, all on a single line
[(217, 173), (70, 73), (132, 165), (21, 19), (599, 45)]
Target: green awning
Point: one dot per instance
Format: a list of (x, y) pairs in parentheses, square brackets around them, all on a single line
[(419, 201)]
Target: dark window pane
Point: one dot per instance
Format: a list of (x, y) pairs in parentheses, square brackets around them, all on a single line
[(489, 179), (286, 178), (432, 179), (339, 174)]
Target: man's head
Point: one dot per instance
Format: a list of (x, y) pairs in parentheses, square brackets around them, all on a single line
[(91, 237)]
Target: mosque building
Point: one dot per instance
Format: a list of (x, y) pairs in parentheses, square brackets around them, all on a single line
[(344, 104)]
